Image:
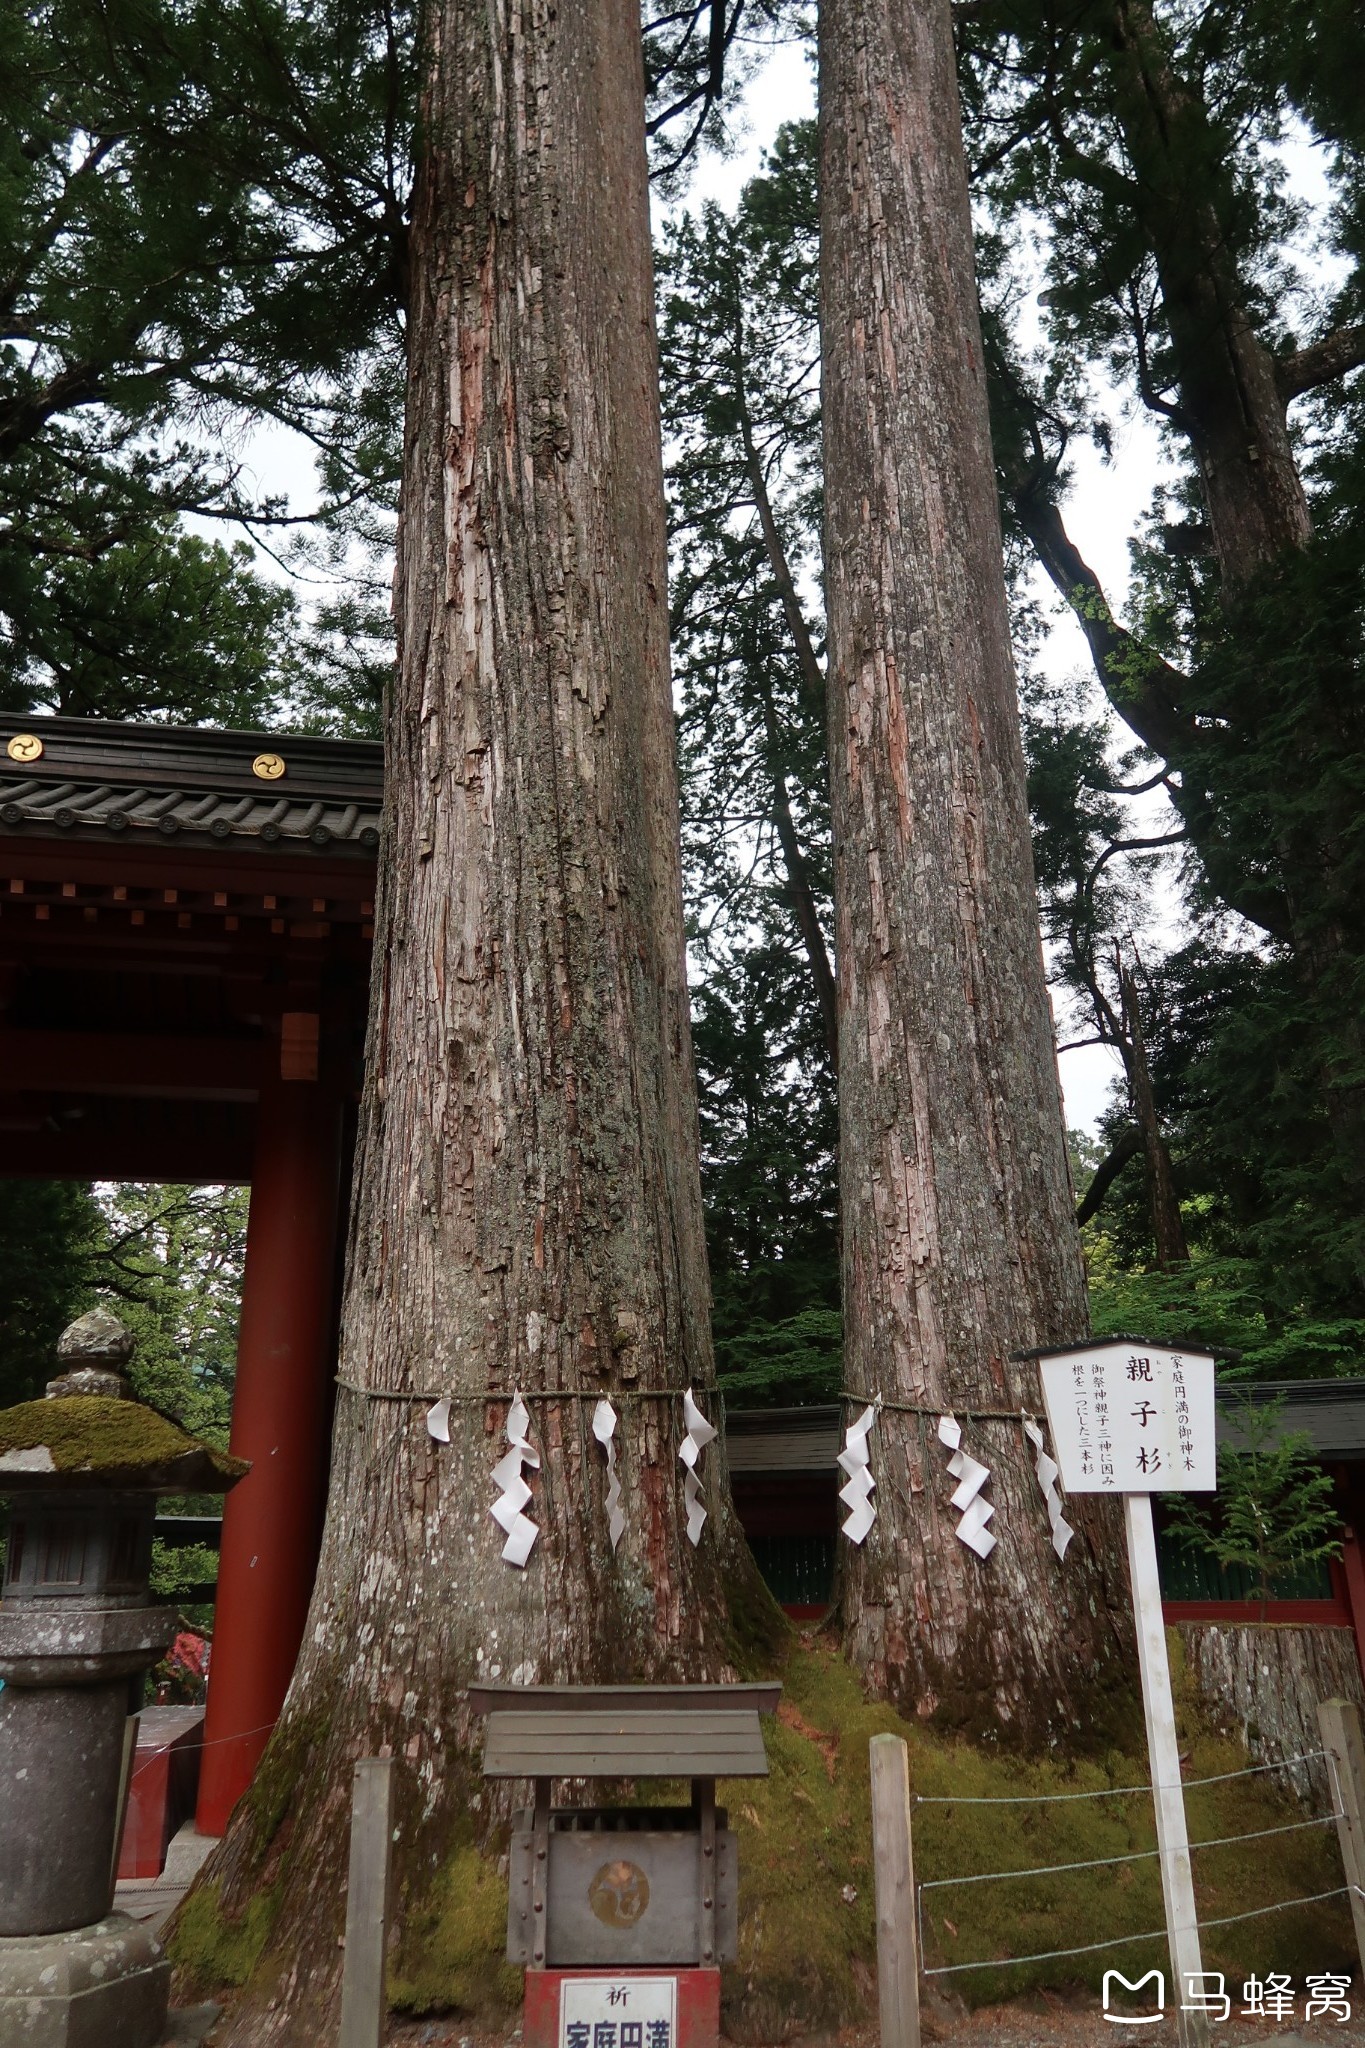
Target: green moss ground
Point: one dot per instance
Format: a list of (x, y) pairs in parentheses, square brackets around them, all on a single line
[(808, 1949), (805, 1835), (807, 1928)]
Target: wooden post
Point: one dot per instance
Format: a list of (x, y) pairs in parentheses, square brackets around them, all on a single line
[(125, 1783), (1163, 1752), (704, 1799), (893, 1864), (1339, 1721), (540, 1871), (363, 2000)]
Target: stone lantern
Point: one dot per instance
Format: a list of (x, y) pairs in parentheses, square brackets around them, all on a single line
[(82, 1470)]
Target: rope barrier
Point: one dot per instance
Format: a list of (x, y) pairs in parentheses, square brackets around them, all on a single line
[(1049, 1955), (1109, 1791), (1278, 1906), (1136, 1856), (1046, 1955), (148, 1756), (935, 1884)]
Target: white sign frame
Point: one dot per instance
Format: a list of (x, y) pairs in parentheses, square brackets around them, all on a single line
[(1131, 1417), (586, 2000)]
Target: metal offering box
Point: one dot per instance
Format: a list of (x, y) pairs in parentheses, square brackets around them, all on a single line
[(613, 1886)]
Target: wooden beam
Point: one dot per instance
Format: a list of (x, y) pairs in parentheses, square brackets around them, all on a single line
[(342, 876), (131, 1063), (35, 1156)]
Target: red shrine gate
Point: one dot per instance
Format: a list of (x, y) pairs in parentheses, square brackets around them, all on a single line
[(185, 926)]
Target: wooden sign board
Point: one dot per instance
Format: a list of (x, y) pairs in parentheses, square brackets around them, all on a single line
[(1129, 1417)]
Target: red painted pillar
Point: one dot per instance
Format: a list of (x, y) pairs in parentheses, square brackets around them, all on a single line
[(281, 1413), (1353, 1567)]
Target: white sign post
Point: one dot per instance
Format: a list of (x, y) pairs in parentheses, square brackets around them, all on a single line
[(1136, 1419)]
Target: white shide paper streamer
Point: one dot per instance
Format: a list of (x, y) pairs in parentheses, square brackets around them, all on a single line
[(438, 1422), (971, 1476), (854, 1460), (699, 1434), (1048, 1469), (604, 1429), (507, 1509)]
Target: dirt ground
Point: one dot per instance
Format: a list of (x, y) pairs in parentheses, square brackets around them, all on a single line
[(1042, 2021)]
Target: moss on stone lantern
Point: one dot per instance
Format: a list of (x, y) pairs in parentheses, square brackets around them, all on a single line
[(83, 1470)]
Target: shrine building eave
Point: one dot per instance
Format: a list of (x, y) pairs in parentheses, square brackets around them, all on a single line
[(186, 920), (87, 779)]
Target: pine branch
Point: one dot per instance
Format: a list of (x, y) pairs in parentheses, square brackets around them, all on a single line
[(1146, 691), (1125, 1147), (1322, 362)]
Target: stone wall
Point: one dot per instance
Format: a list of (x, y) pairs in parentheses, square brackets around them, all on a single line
[(1262, 1681)]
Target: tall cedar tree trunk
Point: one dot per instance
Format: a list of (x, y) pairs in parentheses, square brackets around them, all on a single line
[(527, 1208), (1231, 402), (959, 1236), (1168, 1229)]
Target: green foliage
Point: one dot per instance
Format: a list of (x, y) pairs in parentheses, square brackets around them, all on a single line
[(1224, 1301), (172, 1257), (203, 228), (180, 1570), (167, 1260), (1238, 698), (48, 1232), (1273, 1512), (797, 1359), (204, 213), (768, 1137)]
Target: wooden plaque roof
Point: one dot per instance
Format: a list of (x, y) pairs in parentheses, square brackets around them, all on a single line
[(625, 1731), (782, 1439)]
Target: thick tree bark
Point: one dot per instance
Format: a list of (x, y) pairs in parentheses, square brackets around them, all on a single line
[(527, 1209), (959, 1237)]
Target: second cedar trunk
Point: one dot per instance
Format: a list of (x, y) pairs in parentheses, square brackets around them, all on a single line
[(959, 1237)]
